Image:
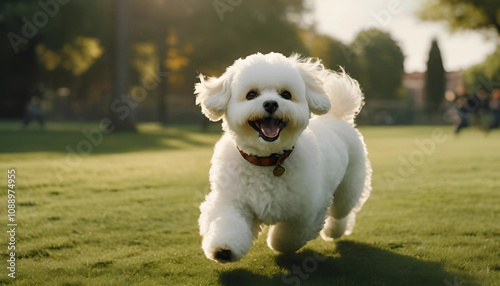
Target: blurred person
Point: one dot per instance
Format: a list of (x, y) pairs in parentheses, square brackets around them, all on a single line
[(482, 113), (494, 106), (451, 114), (33, 109), (462, 101)]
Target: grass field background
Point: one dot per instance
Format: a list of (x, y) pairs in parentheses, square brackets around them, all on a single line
[(126, 213)]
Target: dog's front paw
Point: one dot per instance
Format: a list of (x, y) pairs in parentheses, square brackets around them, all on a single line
[(223, 255)]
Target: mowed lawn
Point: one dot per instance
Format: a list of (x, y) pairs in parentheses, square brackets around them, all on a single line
[(124, 212)]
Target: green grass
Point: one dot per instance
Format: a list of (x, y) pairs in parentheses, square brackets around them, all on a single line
[(126, 214)]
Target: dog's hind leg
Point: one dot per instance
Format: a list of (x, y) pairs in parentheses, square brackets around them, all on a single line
[(290, 236), (334, 228), (286, 237), (349, 198)]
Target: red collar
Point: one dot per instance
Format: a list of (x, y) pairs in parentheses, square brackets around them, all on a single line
[(272, 160)]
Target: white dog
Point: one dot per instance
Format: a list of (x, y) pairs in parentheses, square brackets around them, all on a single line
[(275, 164)]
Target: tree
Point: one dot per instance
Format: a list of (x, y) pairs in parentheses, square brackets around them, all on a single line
[(156, 32), (485, 75), (377, 64), (328, 49), (206, 36), (74, 49), (435, 77), (18, 62), (42, 48), (121, 107), (463, 14), (246, 28)]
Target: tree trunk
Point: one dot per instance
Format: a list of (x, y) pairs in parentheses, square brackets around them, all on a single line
[(163, 88), (122, 105)]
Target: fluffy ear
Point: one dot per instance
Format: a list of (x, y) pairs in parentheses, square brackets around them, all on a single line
[(213, 94), (313, 73)]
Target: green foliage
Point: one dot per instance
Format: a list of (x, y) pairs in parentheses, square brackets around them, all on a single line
[(212, 34), (60, 40), (76, 57), (208, 37), (435, 79), (127, 213), (463, 14), (18, 72), (377, 64), (485, 74), (249, 27), (331, 51), (145, 60)]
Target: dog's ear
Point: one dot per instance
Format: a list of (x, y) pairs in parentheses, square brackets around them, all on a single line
[(213, 94), (313, 73)]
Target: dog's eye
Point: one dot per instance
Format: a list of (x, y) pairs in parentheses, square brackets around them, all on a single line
[(252, 94), (286, 95)]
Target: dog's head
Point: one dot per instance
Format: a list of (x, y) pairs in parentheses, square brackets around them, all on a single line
[(265, 101)]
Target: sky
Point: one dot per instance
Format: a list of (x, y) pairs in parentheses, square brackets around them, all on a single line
[(344, 19)]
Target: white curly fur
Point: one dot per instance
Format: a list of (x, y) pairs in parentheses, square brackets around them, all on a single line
[(328, 164)]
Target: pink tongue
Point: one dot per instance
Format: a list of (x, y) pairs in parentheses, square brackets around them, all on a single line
[(270, 127)]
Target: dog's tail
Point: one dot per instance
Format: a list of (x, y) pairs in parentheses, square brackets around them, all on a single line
[(345, 95)]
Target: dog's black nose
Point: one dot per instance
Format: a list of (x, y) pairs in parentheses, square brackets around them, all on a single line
[(270, 106)]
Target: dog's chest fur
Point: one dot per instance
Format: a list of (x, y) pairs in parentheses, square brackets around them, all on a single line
[(273, 199), (269, 198)]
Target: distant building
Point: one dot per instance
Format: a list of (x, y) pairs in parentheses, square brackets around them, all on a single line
[(414, 83), (453, 80)]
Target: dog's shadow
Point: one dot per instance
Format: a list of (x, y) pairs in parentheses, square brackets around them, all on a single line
[(351, 263)]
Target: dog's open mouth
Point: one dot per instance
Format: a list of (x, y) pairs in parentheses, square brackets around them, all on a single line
[(269, 128)]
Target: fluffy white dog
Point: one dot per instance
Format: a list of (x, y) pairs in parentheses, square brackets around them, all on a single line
[(277, 165)]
